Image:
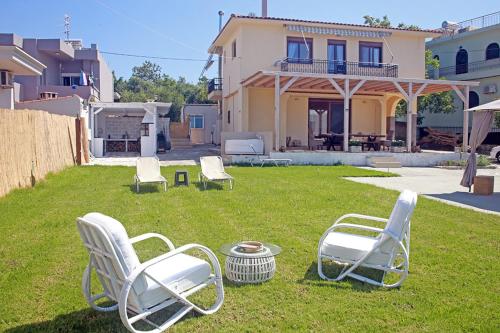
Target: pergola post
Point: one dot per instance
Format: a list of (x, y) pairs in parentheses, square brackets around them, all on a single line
[(409, 113), (466, 120), (277, 96), (346, 114)]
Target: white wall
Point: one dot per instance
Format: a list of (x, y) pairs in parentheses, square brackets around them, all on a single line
[(7, 98)]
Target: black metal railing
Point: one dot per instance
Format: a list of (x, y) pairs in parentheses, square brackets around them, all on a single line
[(214, 84), (469, 68), (316, 66)]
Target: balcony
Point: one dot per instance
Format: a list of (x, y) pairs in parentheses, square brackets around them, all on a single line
[(472, 67), (214, 88), (315, 66), (84, 92)]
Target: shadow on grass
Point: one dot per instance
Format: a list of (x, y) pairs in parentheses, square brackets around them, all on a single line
[(90, 320), (210, 186), (145, 188), (311, 277)]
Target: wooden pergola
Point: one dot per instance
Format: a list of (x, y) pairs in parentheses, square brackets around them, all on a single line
[(349, 85)]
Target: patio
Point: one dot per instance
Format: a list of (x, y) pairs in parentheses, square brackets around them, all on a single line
[(453, 266)]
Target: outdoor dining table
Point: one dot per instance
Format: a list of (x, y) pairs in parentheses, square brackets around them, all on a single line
[(371, 140)]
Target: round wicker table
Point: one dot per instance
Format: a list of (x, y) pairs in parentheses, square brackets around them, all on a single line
[(256, 267)]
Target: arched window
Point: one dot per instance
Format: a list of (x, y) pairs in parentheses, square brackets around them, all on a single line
[(461, 62), (492, 51), (473, 99), (436, 57)]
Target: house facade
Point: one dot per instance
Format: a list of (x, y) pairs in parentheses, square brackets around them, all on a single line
[(468, 50), (71, 69), (204, 123), (300, 80)]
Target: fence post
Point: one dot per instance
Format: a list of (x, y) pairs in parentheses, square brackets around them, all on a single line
[(78, 141)]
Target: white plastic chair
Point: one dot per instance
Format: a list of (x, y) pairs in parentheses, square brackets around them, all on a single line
[(388, 252), (212, 169), (264, 159), (142, 289), (148, 171)]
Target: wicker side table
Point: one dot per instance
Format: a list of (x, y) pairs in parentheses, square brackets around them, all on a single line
[(255, 267)]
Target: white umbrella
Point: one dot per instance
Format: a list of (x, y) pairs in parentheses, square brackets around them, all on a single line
[(481, 124)]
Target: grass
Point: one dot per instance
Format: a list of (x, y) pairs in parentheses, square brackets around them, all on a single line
[(454, 268)]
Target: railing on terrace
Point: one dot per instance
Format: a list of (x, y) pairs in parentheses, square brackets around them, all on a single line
[(481, 21), (214, 84), (315, 66), (465, 68)]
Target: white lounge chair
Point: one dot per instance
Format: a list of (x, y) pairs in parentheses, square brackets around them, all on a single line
[(148, 171), (264, 159), (212, 169), (388, 251), (141, 290)]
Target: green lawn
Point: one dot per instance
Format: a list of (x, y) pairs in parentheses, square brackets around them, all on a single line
[(454, 282)]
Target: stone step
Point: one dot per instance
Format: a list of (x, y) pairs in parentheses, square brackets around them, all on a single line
[(383, 162)]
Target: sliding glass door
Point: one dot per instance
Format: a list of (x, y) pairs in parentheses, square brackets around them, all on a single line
[(336, 57)]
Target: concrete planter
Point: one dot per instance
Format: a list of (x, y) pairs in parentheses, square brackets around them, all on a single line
[(398, 149), (355, 149)]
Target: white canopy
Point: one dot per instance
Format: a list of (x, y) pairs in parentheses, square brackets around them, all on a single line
[(491, 106)]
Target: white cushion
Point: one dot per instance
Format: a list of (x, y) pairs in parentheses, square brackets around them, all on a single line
[(119, 238), (180, 273), (401, 213), (351, 248)]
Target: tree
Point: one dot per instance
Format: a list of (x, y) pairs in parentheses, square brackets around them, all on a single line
[(148, 71), (148, 83), (377, 22)]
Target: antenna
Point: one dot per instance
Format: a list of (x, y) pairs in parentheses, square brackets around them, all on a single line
[(67, 26)]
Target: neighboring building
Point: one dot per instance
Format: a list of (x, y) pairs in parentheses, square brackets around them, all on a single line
[(204, 123), (70, 69), (299, 80), (134, 128), (468, 50), (14, 61)]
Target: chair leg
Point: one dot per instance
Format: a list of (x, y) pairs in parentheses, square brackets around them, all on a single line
[(91, 299)]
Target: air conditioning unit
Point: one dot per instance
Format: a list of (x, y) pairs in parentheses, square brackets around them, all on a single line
[(6, 79), (490, 89)]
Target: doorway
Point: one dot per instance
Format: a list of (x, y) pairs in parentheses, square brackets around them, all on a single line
[(326, 116)]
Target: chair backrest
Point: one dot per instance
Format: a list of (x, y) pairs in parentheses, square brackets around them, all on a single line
[(399, 222), (111, 253), (148, 167), (211, 165)]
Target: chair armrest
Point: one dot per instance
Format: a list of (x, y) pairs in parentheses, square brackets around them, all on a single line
[(213, 259), (362, 217), (153, 235), (355, 226)]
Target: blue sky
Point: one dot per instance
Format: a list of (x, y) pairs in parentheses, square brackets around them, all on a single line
[(184, 29)]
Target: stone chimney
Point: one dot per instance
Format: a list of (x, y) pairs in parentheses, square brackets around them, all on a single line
[(264, 8)]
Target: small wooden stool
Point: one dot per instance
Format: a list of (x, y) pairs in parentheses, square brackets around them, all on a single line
[(483, 185), (185, 178)]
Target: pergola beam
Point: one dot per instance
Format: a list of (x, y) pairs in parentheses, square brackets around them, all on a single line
[(338, 88), (288, 85)]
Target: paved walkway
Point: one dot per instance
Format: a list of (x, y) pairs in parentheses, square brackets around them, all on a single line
[(440, 184), (190, 156)]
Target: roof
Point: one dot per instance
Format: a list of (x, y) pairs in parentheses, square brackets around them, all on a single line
[(434, 32)]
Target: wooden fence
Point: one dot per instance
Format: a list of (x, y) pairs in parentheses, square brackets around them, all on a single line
[(34, 143)]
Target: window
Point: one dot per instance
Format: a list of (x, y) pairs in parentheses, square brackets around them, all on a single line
[(473, 99), (299, 50), (144, 129), (228, 116), (461, 62), (196, 121), (336, 57), (370, 54), (233, 49), (71, 80), (436, 57), (492, 51)]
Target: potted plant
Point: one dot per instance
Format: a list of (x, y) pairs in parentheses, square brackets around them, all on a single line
[(398, 146), (355, 146)]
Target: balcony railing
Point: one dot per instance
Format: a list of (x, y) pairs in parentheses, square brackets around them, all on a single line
[(214, 84), (467, 68), (315, 66)]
